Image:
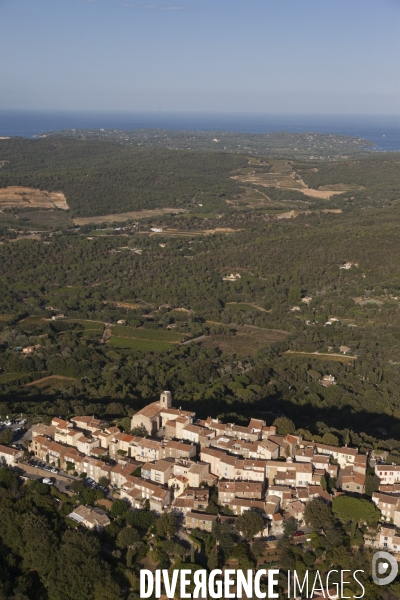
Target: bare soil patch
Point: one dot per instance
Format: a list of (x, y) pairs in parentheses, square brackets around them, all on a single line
[(51, 382), (135, 215), (22, 197), (283, 176)]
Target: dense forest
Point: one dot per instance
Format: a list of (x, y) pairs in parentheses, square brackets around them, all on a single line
[(101, 178), (174, 290)]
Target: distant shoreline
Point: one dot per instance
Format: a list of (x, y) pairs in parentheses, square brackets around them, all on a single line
[(383, 131)]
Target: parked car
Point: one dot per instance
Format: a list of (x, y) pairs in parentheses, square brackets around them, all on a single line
[(299, 533), (271, 538)]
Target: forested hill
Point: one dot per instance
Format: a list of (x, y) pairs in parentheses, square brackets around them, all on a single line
[(104, 177)]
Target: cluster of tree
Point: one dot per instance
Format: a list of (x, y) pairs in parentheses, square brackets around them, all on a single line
[(103, 177), (336, 542)]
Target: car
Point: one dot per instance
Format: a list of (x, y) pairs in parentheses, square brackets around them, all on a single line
[(271, 538), (299, 533), (54, 471), (46, 480)]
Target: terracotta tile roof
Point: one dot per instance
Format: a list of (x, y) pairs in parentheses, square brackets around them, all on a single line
[(200, 516)]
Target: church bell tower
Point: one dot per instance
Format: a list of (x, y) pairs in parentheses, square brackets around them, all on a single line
[(166, 400)]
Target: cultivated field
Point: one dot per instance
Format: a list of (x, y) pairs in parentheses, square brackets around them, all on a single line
[(145, 340), (147, 334), (138, 344), (248, 339)]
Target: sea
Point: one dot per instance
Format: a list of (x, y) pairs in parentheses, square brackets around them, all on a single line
[(382, 130)]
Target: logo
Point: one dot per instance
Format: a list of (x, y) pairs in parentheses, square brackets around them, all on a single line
[(381, 562)]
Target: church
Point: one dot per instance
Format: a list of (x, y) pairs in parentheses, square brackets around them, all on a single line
[(154, 416)]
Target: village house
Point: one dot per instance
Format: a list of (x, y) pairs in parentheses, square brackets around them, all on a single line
[(178, 484), (159, 471), (343, 455), (201, 521), (213, 457), (68, 436), (267, 431), (43, 430), (138, 490), (296, 510), (88, 424), (228, 490), (351, 481), (90, 517), (388, 474), (195, 472), (193, 499), (386, 539), (10, 456), (250, 470), (240, 505), (175, 449), (197, 434), (390, 489), (86, 445), (304, 454), (389, 505)]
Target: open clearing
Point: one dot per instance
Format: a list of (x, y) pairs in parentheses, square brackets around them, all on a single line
[(145, 340), (135, 215), (125, 331), (325, 356), (190, 233), (21, 197), (247, 340), (51, 382), (139, 344), (283, 176)]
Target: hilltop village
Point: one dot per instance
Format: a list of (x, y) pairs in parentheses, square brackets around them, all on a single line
[(172, 460)]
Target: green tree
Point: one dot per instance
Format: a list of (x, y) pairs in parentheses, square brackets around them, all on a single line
[(143, 519), (212, 562), (119, 507), (249, 524), (80, 572), (372, 483), (330, 439), (166, 525), (318, 514), (127, 537), (284, 425), (355, 511), (6, 436), (290, 528), (294, 295)]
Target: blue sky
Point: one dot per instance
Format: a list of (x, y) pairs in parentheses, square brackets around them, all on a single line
[(306, 56)]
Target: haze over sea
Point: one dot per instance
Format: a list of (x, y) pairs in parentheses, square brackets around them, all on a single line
[(384, 131)]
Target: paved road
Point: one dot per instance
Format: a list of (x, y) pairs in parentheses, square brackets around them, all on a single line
[(61, 480)]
